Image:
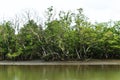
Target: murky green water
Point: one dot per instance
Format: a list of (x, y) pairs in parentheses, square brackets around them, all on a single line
[(59, 72)]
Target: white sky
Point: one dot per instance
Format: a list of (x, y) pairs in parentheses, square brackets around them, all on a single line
[(95, 10)]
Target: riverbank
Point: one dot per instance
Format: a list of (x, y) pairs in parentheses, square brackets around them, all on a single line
[(38, 62)]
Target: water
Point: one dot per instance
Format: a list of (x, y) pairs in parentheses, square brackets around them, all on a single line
[(60, 72)]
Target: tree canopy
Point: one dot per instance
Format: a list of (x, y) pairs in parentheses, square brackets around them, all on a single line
[(69, 37)]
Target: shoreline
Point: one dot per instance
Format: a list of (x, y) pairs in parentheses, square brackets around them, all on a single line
[(38, 62)]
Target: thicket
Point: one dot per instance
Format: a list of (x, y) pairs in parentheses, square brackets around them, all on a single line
[(68, 37)]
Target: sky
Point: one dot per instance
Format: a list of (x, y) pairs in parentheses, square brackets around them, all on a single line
[(95, 10)]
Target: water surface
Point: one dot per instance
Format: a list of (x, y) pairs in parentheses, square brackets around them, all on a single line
[(60, 72)]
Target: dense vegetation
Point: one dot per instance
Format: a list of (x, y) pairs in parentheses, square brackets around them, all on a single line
[(69, 37)]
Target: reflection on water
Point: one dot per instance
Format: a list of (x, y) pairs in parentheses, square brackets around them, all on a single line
[(59, 72)]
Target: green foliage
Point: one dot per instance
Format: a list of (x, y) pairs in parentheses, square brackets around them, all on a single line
[(69, 37)]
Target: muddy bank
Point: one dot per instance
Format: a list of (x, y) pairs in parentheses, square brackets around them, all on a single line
[(37, 62)]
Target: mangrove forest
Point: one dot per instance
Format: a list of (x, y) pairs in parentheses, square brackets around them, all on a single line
[(69, 36)]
